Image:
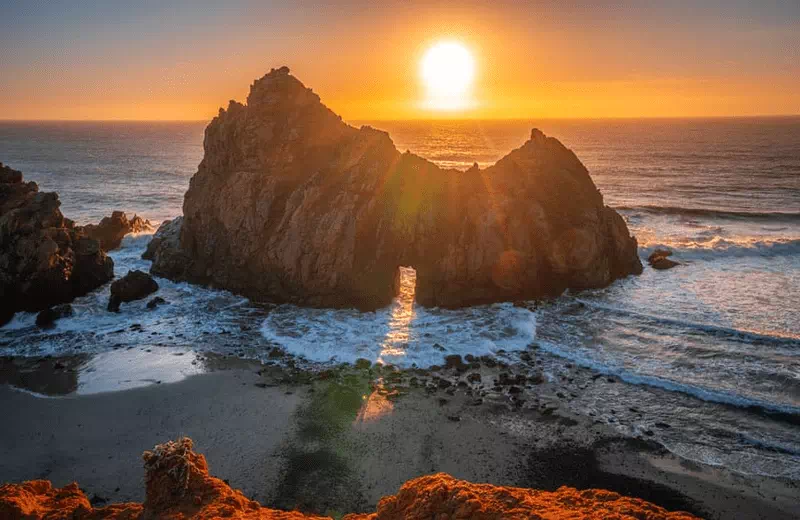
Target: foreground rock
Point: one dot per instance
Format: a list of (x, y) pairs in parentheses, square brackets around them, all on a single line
[(178, 486), (111, 230), (45, 259), (292, 204), (442, 496), (133, 286), (658, 259)]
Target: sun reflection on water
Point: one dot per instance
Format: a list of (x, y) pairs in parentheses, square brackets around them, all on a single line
[(396, 341)]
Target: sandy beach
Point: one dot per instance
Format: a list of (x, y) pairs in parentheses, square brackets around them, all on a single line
[(338, 440)]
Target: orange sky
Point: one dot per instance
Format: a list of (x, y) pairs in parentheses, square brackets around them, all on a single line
[(186, 59)]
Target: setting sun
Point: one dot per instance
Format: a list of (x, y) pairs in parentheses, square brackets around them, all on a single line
[(448, 69)]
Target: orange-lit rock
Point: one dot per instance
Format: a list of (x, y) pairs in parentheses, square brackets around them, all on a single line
[(179, 487), (441, 496)]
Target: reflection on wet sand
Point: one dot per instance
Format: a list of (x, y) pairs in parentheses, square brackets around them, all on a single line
[(376, 405), (45, 376), (114, 370)]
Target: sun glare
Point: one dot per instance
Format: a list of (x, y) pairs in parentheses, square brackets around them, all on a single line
[(447, 70)]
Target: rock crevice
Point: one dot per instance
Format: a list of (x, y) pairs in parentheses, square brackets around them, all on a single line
[(291, 204)]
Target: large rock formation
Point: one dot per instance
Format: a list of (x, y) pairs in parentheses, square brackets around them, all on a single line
[(292, 204), (44, 258), (110, 231), (180, 487)]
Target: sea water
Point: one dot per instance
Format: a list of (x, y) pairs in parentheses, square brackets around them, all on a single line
[(711, 347)]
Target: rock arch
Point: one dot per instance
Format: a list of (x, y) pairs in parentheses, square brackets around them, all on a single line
[(291, 204)]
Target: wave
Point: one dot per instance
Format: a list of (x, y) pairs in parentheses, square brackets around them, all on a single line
[(718, 246), (712, 213), (783, 413), (402, 334), (744, 336)]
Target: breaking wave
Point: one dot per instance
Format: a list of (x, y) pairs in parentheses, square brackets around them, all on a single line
[(702, 212)]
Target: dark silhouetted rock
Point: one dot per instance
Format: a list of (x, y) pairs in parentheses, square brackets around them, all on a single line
[(658, 259), (45, 259), (133, 286), (658, 253), (155, 302), (48, 317), (663, 263), (290, 204), (111, 230)]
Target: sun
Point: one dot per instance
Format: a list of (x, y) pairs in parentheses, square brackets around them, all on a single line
[(447, 70)]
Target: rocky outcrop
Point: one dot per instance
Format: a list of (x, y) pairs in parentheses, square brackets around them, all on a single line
[(45, 259), (165, 251), (658, 259), (111, 230), (291, 204), (442, 496), (178, 486), (133, 286), (155, 302)]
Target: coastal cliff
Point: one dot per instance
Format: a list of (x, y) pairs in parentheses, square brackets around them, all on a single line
[(179, 486), (290, 204), (44, 258)]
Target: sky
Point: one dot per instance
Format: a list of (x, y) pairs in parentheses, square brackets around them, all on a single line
[(182, 60)]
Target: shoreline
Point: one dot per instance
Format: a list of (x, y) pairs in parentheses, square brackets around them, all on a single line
[(339, 439)]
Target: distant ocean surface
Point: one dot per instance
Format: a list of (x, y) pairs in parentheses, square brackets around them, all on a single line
[(711, 347)]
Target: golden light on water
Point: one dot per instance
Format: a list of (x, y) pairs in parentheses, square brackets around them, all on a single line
[(402, 313), (448, 71)]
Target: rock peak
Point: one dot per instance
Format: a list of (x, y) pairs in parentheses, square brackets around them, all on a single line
[(278, 86), (537, 135)]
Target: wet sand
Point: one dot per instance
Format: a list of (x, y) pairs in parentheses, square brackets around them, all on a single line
[(333, 441)]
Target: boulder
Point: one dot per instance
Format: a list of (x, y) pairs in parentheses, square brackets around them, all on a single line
[(155, 302), (658, 259), (45, 259), (111, 230), (165, 251), (133, 286), (47, 318), (290, 204)]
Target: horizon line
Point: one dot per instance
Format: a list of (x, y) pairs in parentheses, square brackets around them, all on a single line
[(430, 119)]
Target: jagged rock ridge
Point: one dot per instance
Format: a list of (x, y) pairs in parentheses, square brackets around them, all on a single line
[(110, 231), (44, 258), (179, 486), (291, 204)]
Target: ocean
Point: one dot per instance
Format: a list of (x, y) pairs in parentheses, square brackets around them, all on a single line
[(710, 348)]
